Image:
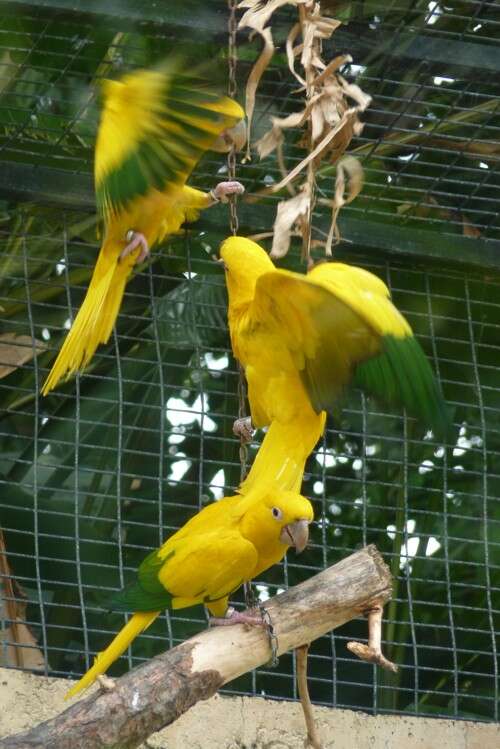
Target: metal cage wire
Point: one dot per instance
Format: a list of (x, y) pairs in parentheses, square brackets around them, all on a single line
[(96, 475)]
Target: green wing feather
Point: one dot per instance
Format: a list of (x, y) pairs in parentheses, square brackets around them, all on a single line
[(401, 375), (334, 344), (147, 593), (155, 126)]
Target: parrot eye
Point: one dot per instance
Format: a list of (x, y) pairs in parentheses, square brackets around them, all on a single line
[(277, 513)]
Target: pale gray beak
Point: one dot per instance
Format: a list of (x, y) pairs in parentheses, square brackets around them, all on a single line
[(296, 534), (234, 136)]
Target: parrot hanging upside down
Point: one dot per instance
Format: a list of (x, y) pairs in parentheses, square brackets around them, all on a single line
[(155, 126), (302, 339), (226, 544)]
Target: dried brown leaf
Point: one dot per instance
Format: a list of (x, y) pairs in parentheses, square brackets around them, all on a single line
[(354, 92), (329, 119), (332, 67), (274, 137), (349, 177), (16, 350), (322, 145), (256, 74), (292, 52), (259, 12), (288, 214)]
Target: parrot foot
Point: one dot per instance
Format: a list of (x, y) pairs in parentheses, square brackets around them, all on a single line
[(237, 617), (135, 239), (373, 651), (223, 189), (106, 684), (243, 429)]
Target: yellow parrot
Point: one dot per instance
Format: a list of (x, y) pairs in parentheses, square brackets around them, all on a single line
[(155, 126), (226, 544), (302, 339)]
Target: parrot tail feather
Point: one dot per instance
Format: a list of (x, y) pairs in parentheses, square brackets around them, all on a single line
[(95, 319), (282, 456), (138, 623)]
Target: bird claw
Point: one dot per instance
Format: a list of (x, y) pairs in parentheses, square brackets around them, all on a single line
[(236, 617), (135, 239), (221, 191), (243, 429), (106, 684), (373, 651)]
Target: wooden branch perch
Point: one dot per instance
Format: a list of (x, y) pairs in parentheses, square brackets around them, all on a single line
[(156, 693)]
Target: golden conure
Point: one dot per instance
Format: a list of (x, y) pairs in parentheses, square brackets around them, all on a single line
[(226, 544), (155, 126), (302, 339)]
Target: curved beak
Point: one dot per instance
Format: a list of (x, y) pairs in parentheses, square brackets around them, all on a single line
[(234, 136), (296, 534)]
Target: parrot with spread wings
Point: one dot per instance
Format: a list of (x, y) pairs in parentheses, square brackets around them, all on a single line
[(155, 126), (302, 339), (224, 545)]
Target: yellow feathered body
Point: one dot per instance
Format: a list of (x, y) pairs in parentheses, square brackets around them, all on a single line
[(224, 545), (155, 125), (303, 338)]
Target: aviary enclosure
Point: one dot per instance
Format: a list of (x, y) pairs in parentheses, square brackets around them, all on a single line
[(98, 473)]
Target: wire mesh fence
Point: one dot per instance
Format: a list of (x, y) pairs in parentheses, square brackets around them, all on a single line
[(101, 471)]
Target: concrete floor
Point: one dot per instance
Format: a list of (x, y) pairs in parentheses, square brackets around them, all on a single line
[(253, 722)]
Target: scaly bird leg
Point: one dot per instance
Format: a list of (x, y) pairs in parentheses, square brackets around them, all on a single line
[(243, 429), (373, 651), (237, 617), (224, 189), (135, 239)]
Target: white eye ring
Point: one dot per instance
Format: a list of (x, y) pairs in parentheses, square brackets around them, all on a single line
[(277, 514)]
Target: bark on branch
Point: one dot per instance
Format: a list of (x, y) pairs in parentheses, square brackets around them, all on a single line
[(156, 693)]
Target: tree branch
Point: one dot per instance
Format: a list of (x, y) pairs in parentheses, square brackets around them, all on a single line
[(156, 693)]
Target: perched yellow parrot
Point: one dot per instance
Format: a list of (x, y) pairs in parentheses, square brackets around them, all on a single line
[(226, 544), (155, 126), (302, 339)]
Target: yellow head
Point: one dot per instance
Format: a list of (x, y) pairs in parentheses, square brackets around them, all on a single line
[(244, 261), (277, 521)]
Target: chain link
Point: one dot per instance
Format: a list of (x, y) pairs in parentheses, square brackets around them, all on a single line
[(242, 412), (273, 638), (232, 90)]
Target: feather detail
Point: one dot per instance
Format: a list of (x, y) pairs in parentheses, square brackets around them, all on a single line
[(134, 627), (401, 375), (282, 456), (135, 598), (95, 319), (155, 125)]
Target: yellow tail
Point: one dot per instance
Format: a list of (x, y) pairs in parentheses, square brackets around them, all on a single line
[(137, 624), (282, 456), (95, 319)]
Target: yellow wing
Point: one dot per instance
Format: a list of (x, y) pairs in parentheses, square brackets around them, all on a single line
[(340, 325), (155, 125), (364, 293), (325, 337)]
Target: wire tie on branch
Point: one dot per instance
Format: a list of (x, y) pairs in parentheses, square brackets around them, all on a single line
[(273, 638)]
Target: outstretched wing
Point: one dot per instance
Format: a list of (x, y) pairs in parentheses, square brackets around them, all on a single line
[(155, 125), (339, 324)]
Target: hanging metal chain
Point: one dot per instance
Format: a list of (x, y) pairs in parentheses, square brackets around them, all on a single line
[(232, 90), (242, 414)]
